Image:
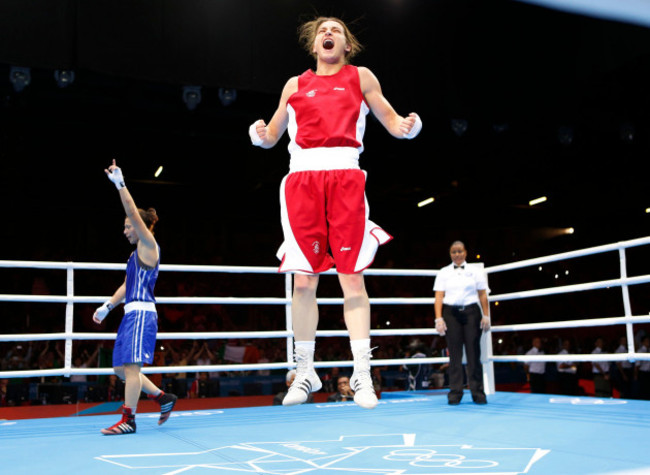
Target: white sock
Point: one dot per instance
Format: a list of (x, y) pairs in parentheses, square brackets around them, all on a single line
[(363, 344), (307, 345)]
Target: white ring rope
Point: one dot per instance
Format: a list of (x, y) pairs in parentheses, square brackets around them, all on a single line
[(70, 299), (605, 284), (211, 335), (594, 322), (201, 268), (569, 255), (573, 357)]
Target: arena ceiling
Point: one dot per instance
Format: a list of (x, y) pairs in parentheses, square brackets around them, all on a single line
[(518, 101)]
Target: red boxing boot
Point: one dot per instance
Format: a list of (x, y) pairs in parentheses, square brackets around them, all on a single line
[(125, 426)]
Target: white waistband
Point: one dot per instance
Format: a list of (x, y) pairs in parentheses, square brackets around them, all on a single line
[(146, 306), (323, 158)]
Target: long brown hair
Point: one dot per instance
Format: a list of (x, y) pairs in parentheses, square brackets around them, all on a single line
[(307, 35)]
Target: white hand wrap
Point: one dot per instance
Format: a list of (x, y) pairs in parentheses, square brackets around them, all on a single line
[(117, 178), (102, 311), (415, 130), (252, 132)]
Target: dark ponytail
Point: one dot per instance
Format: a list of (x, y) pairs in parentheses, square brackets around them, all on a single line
[(150, 217)]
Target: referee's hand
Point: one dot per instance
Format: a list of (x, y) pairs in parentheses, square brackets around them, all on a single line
[(441, 326)]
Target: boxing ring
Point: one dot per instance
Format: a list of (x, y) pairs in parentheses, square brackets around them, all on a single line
[(410, 432)]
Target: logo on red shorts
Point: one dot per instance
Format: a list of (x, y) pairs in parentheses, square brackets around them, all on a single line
[(315, 247)]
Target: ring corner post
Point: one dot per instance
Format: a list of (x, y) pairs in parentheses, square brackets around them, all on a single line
[(69, 315), (488, 363)]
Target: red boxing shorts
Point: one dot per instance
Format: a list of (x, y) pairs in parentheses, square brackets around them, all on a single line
[(325, 222)]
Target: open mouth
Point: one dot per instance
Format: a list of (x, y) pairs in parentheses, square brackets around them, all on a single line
[(328, 43)]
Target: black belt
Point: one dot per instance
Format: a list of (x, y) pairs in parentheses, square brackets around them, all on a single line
[(460, 308)]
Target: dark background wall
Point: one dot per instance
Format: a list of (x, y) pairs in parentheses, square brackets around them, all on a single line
[(518, 74)]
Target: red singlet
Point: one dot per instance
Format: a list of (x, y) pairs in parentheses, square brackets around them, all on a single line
[(323, 196)]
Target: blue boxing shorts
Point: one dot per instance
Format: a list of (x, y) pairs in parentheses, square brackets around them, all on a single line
[(136, 337)]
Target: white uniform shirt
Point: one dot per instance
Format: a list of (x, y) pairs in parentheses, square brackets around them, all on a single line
[(624, 364), (643, 365), (79, 378), (572, 367), (461, 285), (603, 364), (537, 367)]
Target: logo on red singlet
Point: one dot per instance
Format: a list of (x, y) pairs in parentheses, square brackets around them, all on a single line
[(315, 247), (311, 93)]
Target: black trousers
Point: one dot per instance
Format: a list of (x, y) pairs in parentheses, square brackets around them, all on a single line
[(464, 329), (622, 380), (602, 386), (644, 384), (568, 383), (537, 383)]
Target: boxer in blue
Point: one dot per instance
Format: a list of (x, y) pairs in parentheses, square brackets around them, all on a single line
[(136, 336)]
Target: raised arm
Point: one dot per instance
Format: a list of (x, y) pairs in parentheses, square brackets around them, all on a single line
[(92, 357), (266, 136), (400, 127), (147, 246)]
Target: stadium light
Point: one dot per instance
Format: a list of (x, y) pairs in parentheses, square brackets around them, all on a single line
[(192, 96), (227, 96), (20, 77), (64, 78), (459, 126)]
